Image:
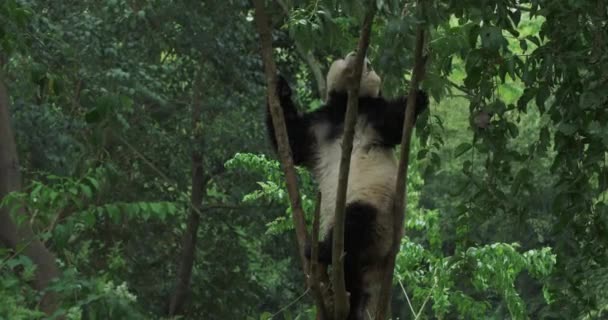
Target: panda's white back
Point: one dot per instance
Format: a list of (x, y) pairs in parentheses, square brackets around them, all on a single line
[(371, 179)]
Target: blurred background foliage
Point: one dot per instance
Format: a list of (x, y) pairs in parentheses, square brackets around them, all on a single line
[(507, 207)]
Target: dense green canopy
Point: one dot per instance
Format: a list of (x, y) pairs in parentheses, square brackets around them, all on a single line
[(139, 128)]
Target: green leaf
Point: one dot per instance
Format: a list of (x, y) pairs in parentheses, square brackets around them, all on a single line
[(473, 35), (94, 116), (114, 212), (86, 190), (541, 96), (492, 38), (89, 218), (523, 44), (461, 149)]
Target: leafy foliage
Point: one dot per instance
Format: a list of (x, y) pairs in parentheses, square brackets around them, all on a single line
[(507, 201)]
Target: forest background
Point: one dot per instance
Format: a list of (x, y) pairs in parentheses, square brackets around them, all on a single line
[(145, 186)]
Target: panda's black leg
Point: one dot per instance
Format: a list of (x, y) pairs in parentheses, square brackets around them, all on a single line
[(360, 218), (358, 227), (358, 240), (325, 247)]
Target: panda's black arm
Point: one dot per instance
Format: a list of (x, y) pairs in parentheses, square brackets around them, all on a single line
[(300, 141), (387, 115)]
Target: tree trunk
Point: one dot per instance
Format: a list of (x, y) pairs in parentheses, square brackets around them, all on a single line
[(196, 199), (189, 242), (21, 237)]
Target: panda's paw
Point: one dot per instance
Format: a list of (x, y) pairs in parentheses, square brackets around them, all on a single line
[(283, 89)]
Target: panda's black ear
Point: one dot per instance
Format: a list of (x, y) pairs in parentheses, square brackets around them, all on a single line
[(283, 89)]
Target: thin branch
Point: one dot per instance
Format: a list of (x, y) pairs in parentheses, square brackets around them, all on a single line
[(341, 308), (278, 120), (189, 241), (459, 87), (289, 304), (407, 298), (401, 187), (314, 264)]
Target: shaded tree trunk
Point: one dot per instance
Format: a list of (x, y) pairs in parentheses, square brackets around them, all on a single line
[(189, 241), (264, 30), (21, 237), (196, 199)]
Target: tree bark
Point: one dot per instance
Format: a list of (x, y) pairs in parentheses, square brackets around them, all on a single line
[(315, 276), (270, 69), (400, 203), (21, 238), (278, 120), (350, 119), (189, 241)]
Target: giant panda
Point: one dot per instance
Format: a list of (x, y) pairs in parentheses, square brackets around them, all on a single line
[(315, 139)]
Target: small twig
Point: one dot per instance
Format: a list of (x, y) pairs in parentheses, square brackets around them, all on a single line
[(340, 300), (428, 296), (401, 185), (290, 304), (407, 298), (278, 120), (163, 176), (459, 87)]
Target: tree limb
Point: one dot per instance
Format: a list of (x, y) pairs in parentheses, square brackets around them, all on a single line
[(350, 119), (184, 273), (263, 27), (401, 186), (315, 280), (20, 236)]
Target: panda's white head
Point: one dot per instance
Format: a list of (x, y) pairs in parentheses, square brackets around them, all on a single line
[(337, 77)]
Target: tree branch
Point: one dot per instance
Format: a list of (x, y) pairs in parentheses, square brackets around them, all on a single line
[(401, 187), (315, 281), (20, 236), (189, 241), (341, 308), (263, 27)]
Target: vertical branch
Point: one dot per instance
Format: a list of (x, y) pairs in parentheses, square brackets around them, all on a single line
[(341, 308), (401, 187), (184, 273), (19, 236), (263, 26), (315, 281)]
